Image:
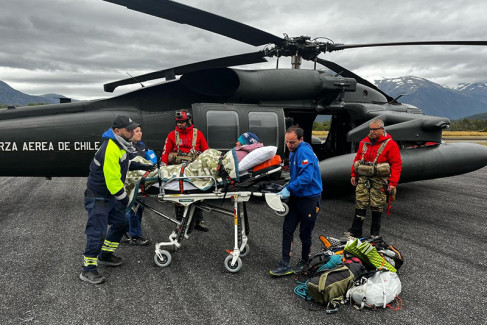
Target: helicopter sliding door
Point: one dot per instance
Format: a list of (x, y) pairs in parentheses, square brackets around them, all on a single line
[(222, 124)]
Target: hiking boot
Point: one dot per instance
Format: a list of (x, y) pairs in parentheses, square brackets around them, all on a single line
[(110, 260), (92, 277), (125, 238), (139, 241), (347, 235), (284, 268), (201, 226), (300, 266)]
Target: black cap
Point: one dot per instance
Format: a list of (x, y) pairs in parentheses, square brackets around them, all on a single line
[(124, 122)]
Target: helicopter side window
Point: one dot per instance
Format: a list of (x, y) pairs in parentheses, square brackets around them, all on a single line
[(266, 126), (222, 129)]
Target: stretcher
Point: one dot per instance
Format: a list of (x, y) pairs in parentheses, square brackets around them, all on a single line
[(238, 192)]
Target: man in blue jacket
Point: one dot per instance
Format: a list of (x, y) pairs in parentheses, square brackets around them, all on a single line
[(304, 193), (106, 199)]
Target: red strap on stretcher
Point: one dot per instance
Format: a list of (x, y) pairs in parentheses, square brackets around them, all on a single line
[(181, 183), (142, 183)]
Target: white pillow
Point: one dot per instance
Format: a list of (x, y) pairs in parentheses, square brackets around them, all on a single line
[(257, 156)]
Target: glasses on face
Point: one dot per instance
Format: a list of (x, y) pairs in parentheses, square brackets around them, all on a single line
[(375, 129)]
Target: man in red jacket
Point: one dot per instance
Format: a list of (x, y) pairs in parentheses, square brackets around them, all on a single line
[(184, 144), (375, 172)]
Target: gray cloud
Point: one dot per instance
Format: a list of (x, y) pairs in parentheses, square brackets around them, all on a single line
[(74, 47)]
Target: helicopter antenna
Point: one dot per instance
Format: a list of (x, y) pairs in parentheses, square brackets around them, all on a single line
[(135, 79), (395, 99)]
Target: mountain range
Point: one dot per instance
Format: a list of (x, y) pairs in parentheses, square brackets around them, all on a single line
[(465, 100), (433, 99), (11, 96)]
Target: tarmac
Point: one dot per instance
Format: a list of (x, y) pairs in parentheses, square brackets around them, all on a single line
[(439, 225)]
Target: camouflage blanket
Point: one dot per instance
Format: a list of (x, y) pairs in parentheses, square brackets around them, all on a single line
[(205, 165)]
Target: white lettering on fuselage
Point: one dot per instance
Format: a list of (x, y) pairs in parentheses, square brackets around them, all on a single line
[(86, 146), (8, 146), (38, 146)]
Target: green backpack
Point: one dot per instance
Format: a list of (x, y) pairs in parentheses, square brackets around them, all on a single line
[(330, 287)]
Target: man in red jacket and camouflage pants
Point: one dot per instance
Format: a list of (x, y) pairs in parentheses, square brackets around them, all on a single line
[(184, 144), (375, 172)]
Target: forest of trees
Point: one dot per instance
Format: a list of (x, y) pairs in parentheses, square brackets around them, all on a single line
[(469, 125)]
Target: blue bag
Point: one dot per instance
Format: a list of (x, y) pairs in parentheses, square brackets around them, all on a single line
[(150, 155)]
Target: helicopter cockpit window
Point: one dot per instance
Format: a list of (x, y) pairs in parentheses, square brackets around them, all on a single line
[(222, 129), (265, 125)]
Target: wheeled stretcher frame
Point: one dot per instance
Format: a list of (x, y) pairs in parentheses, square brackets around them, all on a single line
[(193, 201)]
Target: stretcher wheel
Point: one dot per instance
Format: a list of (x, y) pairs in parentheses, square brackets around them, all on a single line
[(166, 259), (285, 212), (245, 251), (228, 264)]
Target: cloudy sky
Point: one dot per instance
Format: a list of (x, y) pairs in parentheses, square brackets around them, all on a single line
[(73, 47)]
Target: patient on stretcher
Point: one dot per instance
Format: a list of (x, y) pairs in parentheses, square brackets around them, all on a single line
[(209, 163)]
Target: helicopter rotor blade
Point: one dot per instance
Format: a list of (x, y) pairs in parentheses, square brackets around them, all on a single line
[(338, 47), (171, 73), (349, 74), (183, 14)]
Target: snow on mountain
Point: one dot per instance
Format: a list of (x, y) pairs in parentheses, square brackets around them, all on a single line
[(435, 99)]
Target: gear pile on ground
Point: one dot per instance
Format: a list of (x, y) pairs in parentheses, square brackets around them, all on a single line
[(362, 272)]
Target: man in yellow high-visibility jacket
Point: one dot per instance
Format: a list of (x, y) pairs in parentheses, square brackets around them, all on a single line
[(106, 199)]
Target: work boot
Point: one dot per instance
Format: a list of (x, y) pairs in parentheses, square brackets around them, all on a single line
[(347, 235), (284, 268), (201, 226), (125, 238), (139, 241), (357, 223), (92, 277), (300, 266), (109, 259), (376, 222)]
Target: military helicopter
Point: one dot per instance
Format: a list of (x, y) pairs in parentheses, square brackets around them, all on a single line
[(60, 140)]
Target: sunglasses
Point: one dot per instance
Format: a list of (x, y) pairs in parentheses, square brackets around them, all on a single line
[(375, 129)]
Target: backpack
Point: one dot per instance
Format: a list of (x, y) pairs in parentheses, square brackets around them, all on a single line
[(317, 264), (390, 253), (355, 265), (377, 290), (330, 287)]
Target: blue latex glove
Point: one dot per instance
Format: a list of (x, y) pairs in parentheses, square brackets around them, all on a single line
[(284, 193)]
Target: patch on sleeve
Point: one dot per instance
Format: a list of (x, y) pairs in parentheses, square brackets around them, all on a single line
[(304, 162)]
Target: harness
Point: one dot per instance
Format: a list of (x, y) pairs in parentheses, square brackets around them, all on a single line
[(179, 157), (369, 169), (379, 152), (193, 144)]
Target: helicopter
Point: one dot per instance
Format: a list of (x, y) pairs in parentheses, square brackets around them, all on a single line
[(59, 140)]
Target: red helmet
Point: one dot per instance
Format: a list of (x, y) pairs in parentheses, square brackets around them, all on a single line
[(183, 116)]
